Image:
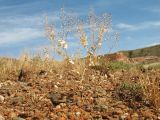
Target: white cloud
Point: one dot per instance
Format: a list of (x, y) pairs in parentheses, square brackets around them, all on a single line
[(32, 21), (22, 28), (19, 34), (125, 26), (153, 44), (153, 23), (140, 26)]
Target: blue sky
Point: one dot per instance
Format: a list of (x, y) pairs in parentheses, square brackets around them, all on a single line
[(22, 22)]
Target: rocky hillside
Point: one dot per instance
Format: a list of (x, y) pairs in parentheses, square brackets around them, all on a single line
[(148, 51)]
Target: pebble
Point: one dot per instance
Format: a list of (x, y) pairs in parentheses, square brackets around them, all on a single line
[(124, 116), (58, 107), (13, 115), (121, 106), (55, 86), (1, 117), (118, 111), (147, 114), (100, 101), (78, 113), (63, 104), (18, 118), (56, 98), (1, 99), (135, 115), (58, 83)]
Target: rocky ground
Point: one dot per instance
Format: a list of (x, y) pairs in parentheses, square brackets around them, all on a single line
[(44, 95)]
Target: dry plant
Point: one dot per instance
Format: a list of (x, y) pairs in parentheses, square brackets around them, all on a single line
[(151, 88), (91, 32), (8, 66), (59, 37)]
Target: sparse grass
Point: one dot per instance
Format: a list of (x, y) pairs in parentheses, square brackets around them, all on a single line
[(119, 65), (130, 86), (116, 65), (148, 66), (151, 87), (131, 93), (8, 66)]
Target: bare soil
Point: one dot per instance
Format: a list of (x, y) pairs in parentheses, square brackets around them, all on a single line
[(44, 95)]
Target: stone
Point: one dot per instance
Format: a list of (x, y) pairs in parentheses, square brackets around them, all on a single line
[(78, 114), (18, 118), (55, 86), (148, 114), (87, 108), (13, 115), (121, 106), (43, 73), (100, 101), (63, 104), (117, 111), (61, 118), (135, 116), (1, 117), (124, 116), (101, 108), (58, 107), (117, 57), (57, 98), (1, 99)]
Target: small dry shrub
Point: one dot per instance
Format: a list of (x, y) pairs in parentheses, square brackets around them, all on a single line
[(131, 93), (90, 33), (8, 66), (151, 87)]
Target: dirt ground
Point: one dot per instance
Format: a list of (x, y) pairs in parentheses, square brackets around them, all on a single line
[(44, 95)]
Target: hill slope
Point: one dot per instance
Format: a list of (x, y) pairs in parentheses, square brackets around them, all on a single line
[(148, 51)]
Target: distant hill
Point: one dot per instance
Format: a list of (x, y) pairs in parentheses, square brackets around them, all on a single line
[(148, 51), (121, 55)]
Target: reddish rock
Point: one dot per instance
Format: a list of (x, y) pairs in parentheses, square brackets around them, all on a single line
[(117, 57)]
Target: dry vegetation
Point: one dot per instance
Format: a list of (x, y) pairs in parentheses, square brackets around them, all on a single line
[(41, 89), (75, 88)]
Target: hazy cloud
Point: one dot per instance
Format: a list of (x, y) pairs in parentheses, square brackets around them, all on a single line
[(140, 26), (23, 28), (152, 44), (19, 34), (125, 26)]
